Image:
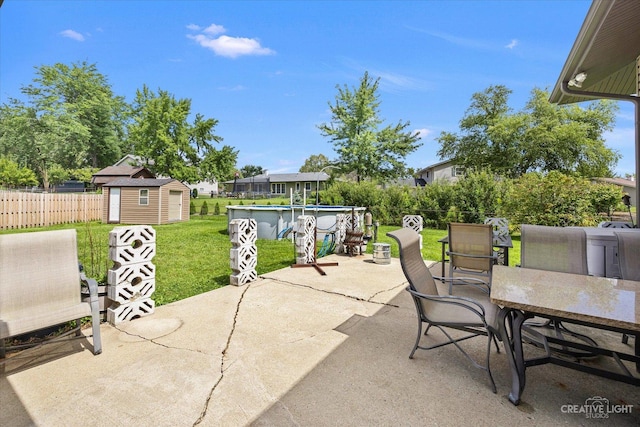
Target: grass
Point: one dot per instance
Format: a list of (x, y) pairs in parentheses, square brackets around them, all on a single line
[(192, 257)]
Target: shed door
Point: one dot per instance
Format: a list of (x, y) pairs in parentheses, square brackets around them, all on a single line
[(175, 205), (114, 205)]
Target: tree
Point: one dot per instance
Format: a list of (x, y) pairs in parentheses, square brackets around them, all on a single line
[(248, 171), (69, 119), (219, 164), (12, 175), (363, 148), (41, 140), (167, 142), (314, 163), (82, 92), (543, 137)]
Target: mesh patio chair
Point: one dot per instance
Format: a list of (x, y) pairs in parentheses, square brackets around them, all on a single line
[(476, 318), (561, 249), (628, 250), (471, 256)]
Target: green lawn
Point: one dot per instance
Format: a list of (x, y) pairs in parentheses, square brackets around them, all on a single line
[(192, 257)]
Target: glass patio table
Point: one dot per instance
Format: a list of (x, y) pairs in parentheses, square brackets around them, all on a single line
[(599, 302)]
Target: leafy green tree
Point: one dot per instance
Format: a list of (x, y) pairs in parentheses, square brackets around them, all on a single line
[(42, 140), (363, 148), (315, 163), (219, 164), (248, 171), (12, 175), (168, 143), (82, 174), (569, 138), (82, 92), (543, 137)]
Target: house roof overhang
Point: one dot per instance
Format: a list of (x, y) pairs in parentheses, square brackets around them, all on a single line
[(606, 50)]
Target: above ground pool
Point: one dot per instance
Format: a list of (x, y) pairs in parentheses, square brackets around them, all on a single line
[(275, 221)]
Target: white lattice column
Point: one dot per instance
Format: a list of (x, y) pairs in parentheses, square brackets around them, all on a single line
[(244, 253), (132, 280), (306, 239), (413, 222)]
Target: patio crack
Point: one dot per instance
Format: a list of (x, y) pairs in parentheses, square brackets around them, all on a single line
[(203, 414), (153, 341), (353, 297)]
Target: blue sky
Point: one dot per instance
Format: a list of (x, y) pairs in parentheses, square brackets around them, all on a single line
[(267, 70)]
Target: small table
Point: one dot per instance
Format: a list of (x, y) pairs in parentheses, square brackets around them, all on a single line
[(599, 302), (502, 241)]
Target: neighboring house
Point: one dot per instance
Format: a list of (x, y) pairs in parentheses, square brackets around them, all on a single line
[(628, 186), (443, 171), (203, 187), (278, 184), (111, 173), (145, 201)]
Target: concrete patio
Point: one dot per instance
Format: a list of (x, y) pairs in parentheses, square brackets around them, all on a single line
[(293, 348)]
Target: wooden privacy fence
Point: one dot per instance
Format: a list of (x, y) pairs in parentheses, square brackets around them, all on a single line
[(24, 210)]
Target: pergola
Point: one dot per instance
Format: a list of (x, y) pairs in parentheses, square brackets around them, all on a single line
[(604, 62)]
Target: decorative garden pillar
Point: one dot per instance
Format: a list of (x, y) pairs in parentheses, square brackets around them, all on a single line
[(132, 280), (306, 240), (244, 253)]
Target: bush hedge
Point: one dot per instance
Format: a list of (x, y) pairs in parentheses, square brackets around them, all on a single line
[(552, 199)]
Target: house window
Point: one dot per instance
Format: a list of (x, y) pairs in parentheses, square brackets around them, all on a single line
[(307, 186), (278, 188), (143, 200), (297, 186), (457, 171)]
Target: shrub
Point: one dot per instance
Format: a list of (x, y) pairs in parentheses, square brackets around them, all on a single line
[(194, 193), (204, 209), (553, 199), (434, 202), (216, 209), (192, 208), (396, 202), (478, 195)]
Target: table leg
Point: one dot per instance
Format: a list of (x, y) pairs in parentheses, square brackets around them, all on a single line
[(513, 349), (506, 256)]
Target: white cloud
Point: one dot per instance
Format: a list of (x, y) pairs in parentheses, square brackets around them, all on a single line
[(231, 47), (214, 29), (513, 44), (423, 133), (72, 35), (193, 27)]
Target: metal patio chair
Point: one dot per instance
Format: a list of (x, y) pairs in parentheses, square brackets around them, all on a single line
[(471, 256), (561, 249), (628, 250), (444, 312)]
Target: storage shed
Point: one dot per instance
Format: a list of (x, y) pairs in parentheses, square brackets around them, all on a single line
[(145, 201)]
